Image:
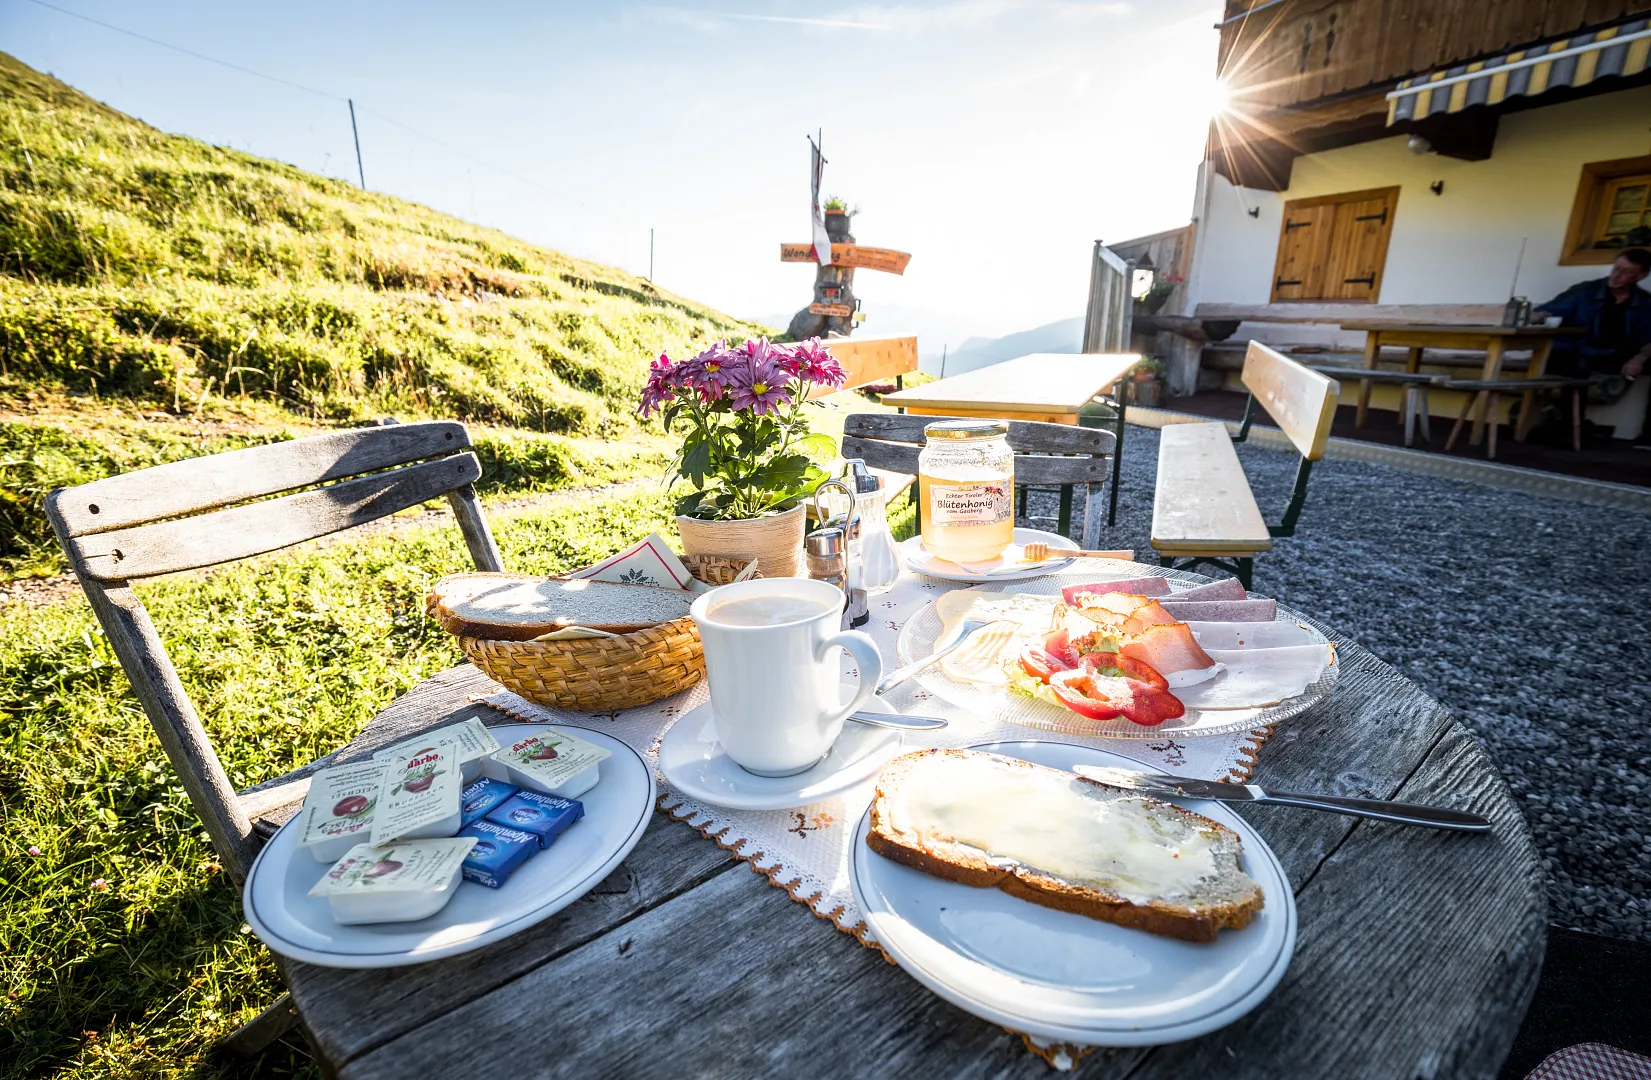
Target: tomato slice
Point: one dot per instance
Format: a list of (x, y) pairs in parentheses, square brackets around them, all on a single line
[(1126, 667), (1059, 646), (1102, 696), (1040, 663)]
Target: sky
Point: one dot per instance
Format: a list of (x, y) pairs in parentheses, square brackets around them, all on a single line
[(995, 140)]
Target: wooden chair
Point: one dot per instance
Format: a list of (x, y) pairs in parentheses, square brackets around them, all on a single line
[(1051, 455), (197, 513), (1203, 510)]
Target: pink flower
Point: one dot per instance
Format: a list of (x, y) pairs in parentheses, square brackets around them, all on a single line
[(708, 372), (657, 390), (33, 850), (100, 885), (759, 383), (817, 365)]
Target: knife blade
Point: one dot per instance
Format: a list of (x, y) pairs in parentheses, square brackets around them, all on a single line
[(1433, 817), (898, 720)]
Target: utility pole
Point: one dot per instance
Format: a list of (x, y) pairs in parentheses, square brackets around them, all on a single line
[(650, 253), (943, 350), (359, 171)]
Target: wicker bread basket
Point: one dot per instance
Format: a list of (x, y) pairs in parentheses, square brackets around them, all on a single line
[(606, 674)]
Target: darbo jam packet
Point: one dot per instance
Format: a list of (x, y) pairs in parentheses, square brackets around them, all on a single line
[(419, 795), (498, 852), (474, 740), (545, 816), (398, 883), (338, 810), (553, 762), (478, 798)]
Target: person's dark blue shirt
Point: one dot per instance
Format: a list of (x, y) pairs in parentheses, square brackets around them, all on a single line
[(1615, 331)]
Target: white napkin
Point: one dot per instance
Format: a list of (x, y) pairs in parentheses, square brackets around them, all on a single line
[(649, 561)]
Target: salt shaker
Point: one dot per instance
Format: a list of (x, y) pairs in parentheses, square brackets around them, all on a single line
[(826, 552), (878, 560), (858, 611)]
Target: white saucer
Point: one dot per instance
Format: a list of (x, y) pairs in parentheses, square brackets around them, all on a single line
[(918, 560), (696, 766)]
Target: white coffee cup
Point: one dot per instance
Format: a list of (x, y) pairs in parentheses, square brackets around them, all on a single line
[(772, 664)]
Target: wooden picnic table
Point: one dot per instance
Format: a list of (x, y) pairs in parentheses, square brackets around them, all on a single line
[(1494, 340), (1047, 387), (1417, 951)]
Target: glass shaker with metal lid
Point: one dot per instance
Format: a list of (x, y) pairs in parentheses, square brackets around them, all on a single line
[(965, 489), (873, 552)]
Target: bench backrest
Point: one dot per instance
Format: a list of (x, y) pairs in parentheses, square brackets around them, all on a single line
[(871, 360), (1053, 454), (196, 513), (1300, 400)]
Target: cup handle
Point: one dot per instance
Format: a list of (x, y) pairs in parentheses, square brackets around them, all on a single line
[(867, 660)]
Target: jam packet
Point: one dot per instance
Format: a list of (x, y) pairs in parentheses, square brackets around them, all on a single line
[(338, 809), (475, 744), (419, 794), (545, 816), (399, 883), (498, 852), (552, 762)]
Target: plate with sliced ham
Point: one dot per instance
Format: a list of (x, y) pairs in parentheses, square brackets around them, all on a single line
[(1136, 657)]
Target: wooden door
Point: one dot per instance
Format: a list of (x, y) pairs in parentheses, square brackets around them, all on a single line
[(1334, 247)]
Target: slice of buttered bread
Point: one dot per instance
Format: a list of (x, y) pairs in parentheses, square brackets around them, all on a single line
[(516, 607), (1062, 841)]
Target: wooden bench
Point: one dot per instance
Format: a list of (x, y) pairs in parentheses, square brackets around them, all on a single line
[(1058, 455), (1492, 390), (1203, 510), (1416, 383)]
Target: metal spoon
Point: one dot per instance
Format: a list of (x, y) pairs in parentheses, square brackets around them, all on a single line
[(958, 636)]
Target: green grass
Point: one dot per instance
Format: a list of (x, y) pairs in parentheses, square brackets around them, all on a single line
[(286, 657)]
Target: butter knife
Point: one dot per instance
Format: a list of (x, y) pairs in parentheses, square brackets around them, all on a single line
[(1433, 817), (898, 720)]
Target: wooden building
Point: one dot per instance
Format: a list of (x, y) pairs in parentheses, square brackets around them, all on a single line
[(1419, 160)]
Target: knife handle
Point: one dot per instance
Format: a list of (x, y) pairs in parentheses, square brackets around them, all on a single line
[(1434, 817)]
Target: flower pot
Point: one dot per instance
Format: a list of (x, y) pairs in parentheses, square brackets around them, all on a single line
[(1147, 393), (775, 541)]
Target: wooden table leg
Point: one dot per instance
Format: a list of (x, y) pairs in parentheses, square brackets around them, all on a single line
[(1372, 351), (1576, 418), (1490, 447), (1493, 370), (1409, 416), (1461, 420), (1412, 364), (1527, 401), (1422, 416)]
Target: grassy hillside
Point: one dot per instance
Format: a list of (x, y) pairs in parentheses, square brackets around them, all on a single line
[(188, 298)]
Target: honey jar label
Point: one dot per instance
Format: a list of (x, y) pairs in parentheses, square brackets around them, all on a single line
[(986, 503)]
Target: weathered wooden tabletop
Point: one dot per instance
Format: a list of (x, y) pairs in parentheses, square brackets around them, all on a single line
[(1051, 387), (1417, 951)]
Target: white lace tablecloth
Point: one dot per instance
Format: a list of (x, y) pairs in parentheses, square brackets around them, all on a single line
[(806, 851)]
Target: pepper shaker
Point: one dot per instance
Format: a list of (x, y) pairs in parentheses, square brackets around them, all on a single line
[(857, 611)]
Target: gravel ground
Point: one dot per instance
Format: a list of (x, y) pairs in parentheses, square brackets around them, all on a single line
[(1527, 616)]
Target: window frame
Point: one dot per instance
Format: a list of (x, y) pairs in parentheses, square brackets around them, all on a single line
[(1588, 209)]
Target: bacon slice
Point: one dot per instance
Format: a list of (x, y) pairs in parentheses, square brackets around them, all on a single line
[(1167, 648), (1141, 586)]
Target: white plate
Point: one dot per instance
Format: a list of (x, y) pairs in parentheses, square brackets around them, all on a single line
[(696, 766), (921, 631), (617, 810), (919, 561), (1061, 976)]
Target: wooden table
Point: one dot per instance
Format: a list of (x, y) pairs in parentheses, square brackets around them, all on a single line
[(1494, 340), (1046, 387), (1417, 951)]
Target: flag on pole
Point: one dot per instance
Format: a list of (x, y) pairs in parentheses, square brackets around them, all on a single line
[(822, 239)]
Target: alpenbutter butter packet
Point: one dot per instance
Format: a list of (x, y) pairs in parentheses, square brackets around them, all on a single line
[(338, 809), (399, 883), (475, 744), (419, 794), (552, 762)]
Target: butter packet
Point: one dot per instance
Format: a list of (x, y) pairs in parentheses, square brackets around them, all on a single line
[(338, 809), (475, 744), (553, 762), (400, 883), (419, 794)]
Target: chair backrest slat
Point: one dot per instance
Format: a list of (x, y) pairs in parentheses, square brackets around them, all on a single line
[(1300, 400), (1025, 436), (1029, 468), (204, 483), (190, 543)]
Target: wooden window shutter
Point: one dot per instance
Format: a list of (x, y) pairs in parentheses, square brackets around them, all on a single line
[(1334, 247)]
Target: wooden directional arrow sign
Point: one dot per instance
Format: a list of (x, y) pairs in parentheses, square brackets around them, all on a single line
[(841, 310), (852, 256)]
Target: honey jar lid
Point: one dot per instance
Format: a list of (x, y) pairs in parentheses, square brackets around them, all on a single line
[(966, 429)]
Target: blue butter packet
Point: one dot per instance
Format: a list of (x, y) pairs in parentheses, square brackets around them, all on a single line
[(478, 798), (545, 816), (497, 853)]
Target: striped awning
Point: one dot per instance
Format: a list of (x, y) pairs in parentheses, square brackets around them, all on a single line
[(1576, 61)]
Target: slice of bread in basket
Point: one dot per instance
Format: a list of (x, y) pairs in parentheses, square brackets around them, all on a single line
[(517, 607), (1059, 840)]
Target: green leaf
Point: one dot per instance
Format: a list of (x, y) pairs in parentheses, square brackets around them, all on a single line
[(688, 505), (696, 461), (818, 446)]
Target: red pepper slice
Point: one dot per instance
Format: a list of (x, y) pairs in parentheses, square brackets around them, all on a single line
[(1040, 663), (1126, 667), (1059, 646), (1103, 697)]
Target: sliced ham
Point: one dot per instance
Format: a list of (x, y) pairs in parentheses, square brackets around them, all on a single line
[(1251, 610), (1141, 586), (1167, 648), (1225, 589), (1253, 635)]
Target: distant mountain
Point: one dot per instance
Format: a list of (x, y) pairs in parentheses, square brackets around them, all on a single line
[(1065, 336)]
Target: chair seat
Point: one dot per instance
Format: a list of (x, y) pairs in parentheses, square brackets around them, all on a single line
[(1203, 503)]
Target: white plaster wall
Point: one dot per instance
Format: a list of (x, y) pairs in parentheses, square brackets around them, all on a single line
[(1456, 248)]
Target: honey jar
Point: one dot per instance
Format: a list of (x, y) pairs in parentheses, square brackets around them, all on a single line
[(966, 487)]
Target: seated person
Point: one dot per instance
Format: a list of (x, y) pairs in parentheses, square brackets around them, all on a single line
[(1616, 312)]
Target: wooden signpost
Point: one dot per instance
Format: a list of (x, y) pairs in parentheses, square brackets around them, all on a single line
[(851, 255), (834, 310)]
